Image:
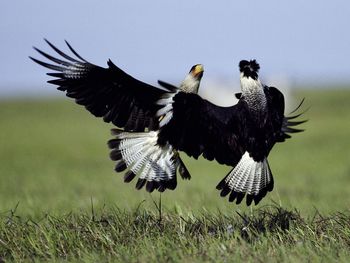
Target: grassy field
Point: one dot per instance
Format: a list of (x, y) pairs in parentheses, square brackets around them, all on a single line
[(61, 200)]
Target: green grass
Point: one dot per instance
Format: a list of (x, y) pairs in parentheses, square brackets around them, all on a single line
[(54, 165), (271, 234)]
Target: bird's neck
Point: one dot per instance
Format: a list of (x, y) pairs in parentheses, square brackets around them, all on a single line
[(189, 84), (253, 93)]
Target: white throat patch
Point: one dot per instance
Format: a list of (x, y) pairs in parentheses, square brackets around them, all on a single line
[(253, 92)]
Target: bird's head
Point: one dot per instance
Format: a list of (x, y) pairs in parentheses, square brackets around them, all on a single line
[(197, 71), (250, 84), (249, 69), (192, 81)]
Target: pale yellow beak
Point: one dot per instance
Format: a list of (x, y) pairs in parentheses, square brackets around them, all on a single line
[(198, 69)]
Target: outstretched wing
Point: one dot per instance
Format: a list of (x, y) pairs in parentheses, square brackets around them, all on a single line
[(199, 127), (105, 92)]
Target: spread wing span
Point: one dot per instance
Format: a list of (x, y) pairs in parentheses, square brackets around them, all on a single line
[(105, 92)]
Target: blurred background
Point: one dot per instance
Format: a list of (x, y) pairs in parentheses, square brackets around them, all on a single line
[(297, 42), (53, 153)]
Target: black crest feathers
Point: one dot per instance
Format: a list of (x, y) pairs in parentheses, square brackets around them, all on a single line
[(249, 68)]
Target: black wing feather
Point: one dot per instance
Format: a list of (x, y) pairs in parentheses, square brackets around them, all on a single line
[(282, 125), (105, 92), (199, 127), (60, 52), (74, 52)]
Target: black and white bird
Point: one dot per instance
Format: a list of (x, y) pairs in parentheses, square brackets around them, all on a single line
[(158, 123), (121, 99)]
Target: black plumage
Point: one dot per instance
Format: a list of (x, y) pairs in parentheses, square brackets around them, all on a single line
[(106, 92)]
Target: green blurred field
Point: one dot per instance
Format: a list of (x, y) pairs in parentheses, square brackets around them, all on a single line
[(54, 159), (55, 165)]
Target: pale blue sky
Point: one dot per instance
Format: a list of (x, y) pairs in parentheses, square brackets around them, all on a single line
[(301, 40)]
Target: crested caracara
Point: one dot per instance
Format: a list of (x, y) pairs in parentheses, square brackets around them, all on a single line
[(119, 98)]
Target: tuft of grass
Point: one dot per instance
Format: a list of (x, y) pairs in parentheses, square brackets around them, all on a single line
[(270, 233)]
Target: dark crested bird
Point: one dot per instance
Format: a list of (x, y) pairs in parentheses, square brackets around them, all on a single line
[(119, 98), (241, 136)]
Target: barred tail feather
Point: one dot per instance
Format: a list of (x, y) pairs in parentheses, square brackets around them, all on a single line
[(250, 178), (140, 155)]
